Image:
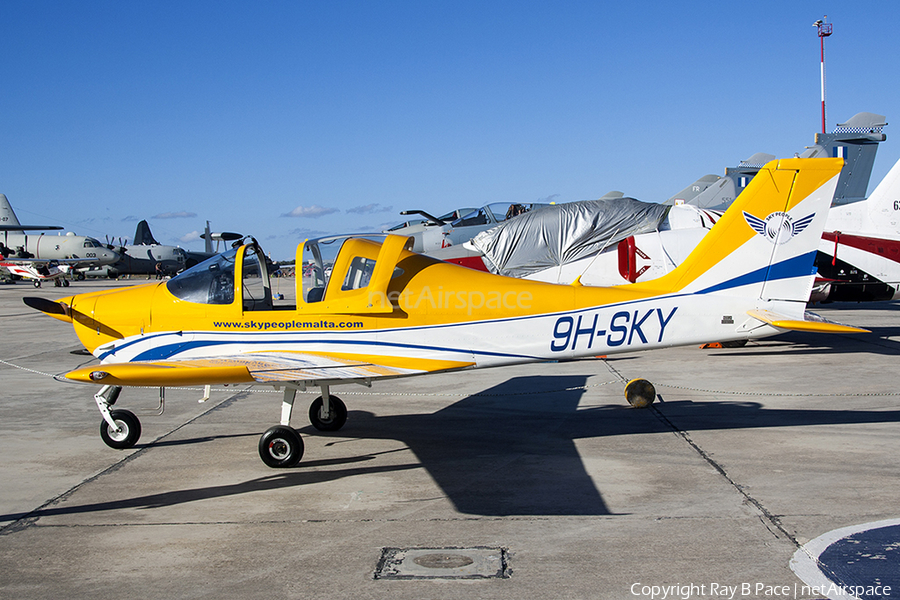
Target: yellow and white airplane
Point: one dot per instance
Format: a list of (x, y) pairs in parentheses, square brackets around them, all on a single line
[(371, 309)]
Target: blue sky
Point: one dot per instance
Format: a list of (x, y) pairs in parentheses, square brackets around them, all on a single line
[(287, 120)]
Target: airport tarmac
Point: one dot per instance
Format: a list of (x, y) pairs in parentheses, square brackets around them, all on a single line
[(534, 481)]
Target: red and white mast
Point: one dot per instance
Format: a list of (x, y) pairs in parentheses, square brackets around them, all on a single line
[(824, 30)]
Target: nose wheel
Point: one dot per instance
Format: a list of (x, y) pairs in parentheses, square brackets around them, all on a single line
[(125, 434), (280, 447)]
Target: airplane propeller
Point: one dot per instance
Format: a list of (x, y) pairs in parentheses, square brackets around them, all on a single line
[(110, 245)]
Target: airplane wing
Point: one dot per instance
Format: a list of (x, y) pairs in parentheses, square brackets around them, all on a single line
[(260, 367), (43, 261), (811, 322)]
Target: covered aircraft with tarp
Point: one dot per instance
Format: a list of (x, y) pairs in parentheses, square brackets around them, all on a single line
[(564, 233)]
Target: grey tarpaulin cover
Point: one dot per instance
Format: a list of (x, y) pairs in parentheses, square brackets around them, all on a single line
[(563, 233)]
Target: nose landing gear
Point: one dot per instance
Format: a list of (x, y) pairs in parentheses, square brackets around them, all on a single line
[(120, 429)]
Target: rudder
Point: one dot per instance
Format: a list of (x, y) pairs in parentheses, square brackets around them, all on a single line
[(763, 245)]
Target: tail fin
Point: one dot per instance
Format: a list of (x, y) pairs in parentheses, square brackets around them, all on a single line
[(688, 194), (142, 235), (207, 237), (724, 190), (884, 204), (9, 221), (765, 243), (856, 141), (7, 216)]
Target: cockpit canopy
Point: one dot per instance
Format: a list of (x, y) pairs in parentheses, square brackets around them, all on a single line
[(495, 213), (213, 280), (351, 270)]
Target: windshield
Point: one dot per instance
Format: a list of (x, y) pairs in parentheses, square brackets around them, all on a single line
[(496, 213), (255, 281), (406, 224), (210, 282)]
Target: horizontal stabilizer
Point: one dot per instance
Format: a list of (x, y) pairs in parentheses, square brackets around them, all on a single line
[(28, 227), (811, 322)]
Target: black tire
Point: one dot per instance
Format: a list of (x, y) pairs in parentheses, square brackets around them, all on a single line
[(65, 283), (280, 447), (37, 283), (334, 421), (57, 283), (128, 437)]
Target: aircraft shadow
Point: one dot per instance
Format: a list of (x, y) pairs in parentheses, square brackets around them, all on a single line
[(687, 415), (277, 480), (798, 343), (509, 450), (505, 451)]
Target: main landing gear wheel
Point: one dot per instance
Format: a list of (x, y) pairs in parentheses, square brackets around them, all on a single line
[(331, 421), (37, 283), (129, 430), (65, 283), (280, 447), (640, 393)]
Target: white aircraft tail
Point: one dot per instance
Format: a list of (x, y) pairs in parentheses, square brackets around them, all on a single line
[(884, 205), (7, 216)]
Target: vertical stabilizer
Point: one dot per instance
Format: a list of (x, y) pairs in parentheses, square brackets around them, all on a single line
[(856, 141), (142, 235), (884, 205), (765, 244), (723, 190), (690, 193), (7, 216)]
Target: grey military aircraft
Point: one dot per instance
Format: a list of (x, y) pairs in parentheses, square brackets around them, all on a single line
[(614, 245), (146, 256), (458, 226), (76, 250), (856, 141), (428, 230)]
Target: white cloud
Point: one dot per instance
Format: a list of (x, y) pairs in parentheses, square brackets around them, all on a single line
[(313, 212), (183, 214), (189, 237)]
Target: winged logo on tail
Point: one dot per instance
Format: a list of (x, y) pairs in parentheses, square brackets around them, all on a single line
[(778, 227)]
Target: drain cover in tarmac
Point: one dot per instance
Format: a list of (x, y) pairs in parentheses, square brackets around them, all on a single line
[(443, 563)]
